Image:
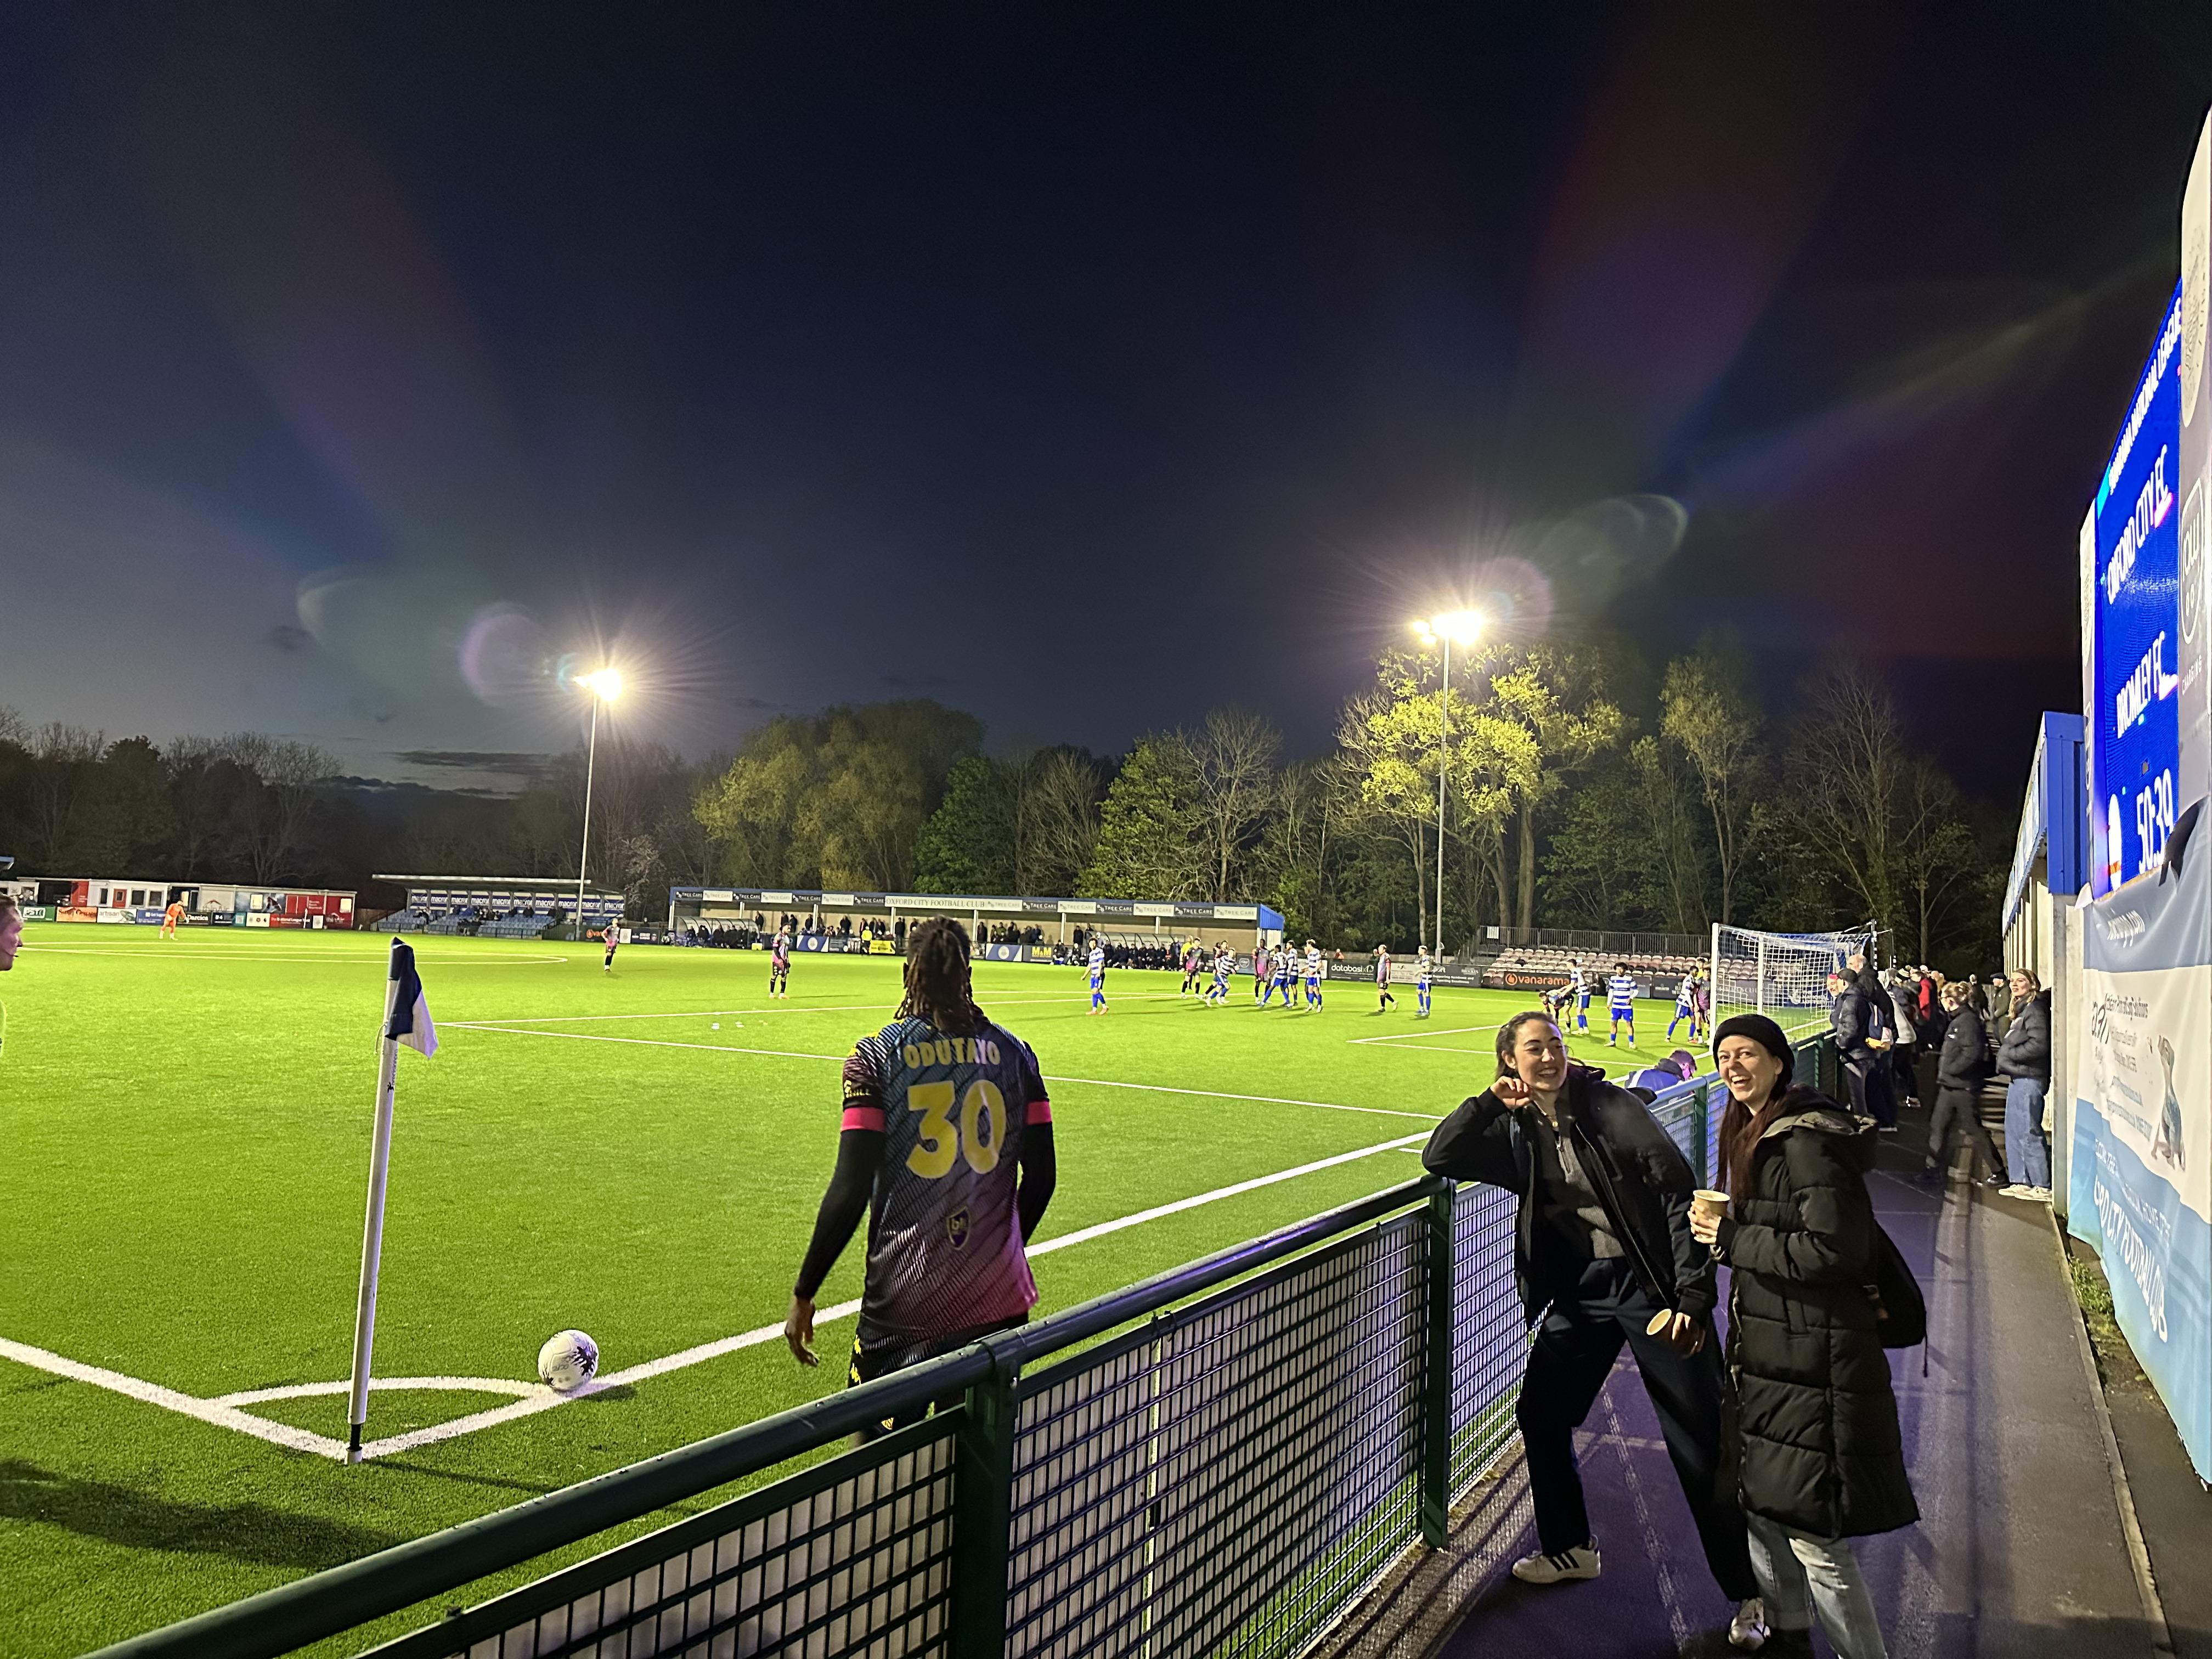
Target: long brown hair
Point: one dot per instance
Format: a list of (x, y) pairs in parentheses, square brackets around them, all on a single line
[(1741, 1131), (938, 986)]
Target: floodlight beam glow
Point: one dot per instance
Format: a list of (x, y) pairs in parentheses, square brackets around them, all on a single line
[(1459, 627), (606, 685)]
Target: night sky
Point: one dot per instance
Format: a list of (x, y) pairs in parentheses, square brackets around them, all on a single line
[(1082, 366)]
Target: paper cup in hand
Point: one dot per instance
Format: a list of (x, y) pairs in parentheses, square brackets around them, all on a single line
[(1660, 1321), (1708, 1205)]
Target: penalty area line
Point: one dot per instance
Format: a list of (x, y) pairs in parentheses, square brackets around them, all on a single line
[(1049, 1077), (535, 1397), (779, 1008)]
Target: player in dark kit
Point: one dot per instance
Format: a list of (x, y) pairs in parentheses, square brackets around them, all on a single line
[(947, 1144), (611, 938), (778, 966)]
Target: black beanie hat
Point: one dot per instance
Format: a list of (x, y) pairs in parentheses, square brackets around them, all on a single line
[(1763, 1031)]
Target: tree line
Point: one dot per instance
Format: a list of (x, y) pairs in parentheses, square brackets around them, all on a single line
[(1582, 790)]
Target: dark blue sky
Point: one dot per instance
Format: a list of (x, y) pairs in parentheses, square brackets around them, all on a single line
[(1080, 366)]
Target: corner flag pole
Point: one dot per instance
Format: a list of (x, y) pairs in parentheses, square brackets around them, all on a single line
[(406, 1020)]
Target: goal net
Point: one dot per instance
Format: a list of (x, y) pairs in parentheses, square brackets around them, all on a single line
[(1782, 975)]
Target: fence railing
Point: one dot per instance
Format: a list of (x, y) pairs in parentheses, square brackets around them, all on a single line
[(1219, 1459), (1574, 939)]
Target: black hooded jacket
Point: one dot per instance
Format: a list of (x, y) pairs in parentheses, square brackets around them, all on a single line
[(1640, 1176), (1821, 1452)]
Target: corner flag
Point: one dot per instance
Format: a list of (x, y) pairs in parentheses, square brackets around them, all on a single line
[(406, 1020), (410, 1022)]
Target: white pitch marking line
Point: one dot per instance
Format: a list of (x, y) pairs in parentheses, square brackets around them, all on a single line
[(250, 953), (1264, 1100), (535, 1397), (785, 1008), (445, 1384), (153, 1393), (1408, 1036), (792, 1054)]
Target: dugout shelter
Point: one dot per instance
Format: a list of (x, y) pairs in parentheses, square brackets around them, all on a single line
[(1035, 921), (497, 906)]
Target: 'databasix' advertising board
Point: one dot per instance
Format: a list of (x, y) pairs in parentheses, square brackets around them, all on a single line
[(2140, 1179)]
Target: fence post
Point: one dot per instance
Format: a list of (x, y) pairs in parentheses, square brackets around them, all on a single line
[(1437, 1378), (982, 1517)]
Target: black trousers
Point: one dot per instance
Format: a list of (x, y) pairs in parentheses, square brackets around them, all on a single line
[(1871, 1094), (1958, 1117), (1574, 1351)]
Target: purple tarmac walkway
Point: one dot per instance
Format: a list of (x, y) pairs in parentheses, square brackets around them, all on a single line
[(2019, 1551)]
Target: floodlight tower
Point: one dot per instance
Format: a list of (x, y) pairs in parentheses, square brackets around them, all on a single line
[(604, 687), (1464, 627)]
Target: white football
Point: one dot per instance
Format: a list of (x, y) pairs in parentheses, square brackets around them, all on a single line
[(567, 1361)]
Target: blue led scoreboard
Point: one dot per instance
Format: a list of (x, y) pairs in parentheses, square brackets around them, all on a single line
[(2132, 596)]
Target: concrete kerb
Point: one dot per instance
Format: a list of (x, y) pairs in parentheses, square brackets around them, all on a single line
[(2153, 1606)]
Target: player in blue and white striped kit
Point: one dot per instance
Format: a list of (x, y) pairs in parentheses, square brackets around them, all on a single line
[(1313, 976), (1097, 977), (1285, 971), (1577, 983), (1225, 963), (1686, 1006), (1421, 968), (1620, 1004)]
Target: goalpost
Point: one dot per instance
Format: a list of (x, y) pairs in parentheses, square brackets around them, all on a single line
[(1782, 975)]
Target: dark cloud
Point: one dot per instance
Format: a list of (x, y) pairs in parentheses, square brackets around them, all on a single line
[(289, 636), (919, 682), (506, 761)]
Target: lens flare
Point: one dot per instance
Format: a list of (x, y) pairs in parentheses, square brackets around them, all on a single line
[(506, 658)]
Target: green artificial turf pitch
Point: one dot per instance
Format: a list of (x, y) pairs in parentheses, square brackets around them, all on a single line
[(186, 1127)]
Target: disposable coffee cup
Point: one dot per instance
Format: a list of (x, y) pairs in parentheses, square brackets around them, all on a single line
[(1660, 1321), (1708, 1205)]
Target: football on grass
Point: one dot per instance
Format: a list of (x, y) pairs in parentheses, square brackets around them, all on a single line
[(567, 1361)]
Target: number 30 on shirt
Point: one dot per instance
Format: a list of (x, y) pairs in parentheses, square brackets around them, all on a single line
[(977, 1136)]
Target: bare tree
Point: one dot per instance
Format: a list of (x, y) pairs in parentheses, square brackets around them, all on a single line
[(1234, 752), (62, 761), (291, 774), (1061, 803), (1848, 771), (1707, 711)]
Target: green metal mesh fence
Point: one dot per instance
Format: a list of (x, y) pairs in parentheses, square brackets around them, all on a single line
[(851, 1557), (1490, 1337), (1226, 1480)]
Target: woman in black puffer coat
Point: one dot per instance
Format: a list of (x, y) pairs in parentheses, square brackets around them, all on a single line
[(1821, 1459)]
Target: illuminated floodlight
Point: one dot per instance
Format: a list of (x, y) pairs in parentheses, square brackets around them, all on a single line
[(606, 685), (1455, 627)]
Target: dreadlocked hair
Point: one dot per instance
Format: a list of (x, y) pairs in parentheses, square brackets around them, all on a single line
[(938, 988)]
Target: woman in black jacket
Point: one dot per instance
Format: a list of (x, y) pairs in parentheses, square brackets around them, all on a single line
[(1602, 1255), (1821, 1459), (1959, 1068)]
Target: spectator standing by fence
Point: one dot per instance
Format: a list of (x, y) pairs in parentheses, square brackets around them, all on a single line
[(1601, 1249), (1852, 1018), (2024, 1061), (1907, 1031), (2000, 1015), (1822, 1458), (1961, 1067)]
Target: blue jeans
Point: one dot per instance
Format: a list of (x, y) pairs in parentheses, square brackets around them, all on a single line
[(2027, 1154), (1802, 1577)]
